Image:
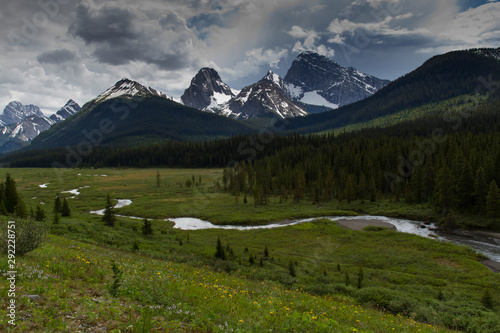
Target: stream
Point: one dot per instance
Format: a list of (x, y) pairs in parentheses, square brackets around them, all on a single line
[(487, 245), (480, 242)]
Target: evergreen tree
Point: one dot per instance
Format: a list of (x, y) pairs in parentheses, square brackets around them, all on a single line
[(20, 210), (291, 269), (147, 228), (57, 204), (10, 194), (350, 190), (65, 211), (445, 191), (372, 189), (493, 201), (109, 216), (158, 179), (480, 191), (266, 252), (466, 187), (3, 210), (219, 250), (39, 213), (361, 277)]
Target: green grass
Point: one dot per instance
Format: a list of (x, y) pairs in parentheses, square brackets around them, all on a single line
[(416, 280), (73, 279)]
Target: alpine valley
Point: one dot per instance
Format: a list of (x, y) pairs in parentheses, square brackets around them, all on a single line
[(326, 200)]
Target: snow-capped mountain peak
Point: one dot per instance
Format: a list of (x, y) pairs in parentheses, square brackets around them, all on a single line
[(316, 78), (207, 91), (15, 112), (127, 88), (262, 99), (69, 109)]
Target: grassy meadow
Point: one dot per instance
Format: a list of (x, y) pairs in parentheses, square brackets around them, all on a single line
[(314, 277)]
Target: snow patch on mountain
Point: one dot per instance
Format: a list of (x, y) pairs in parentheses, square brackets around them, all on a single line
[(313, 98)]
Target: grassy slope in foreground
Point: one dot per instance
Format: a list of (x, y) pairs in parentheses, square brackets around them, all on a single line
[(72, 278)]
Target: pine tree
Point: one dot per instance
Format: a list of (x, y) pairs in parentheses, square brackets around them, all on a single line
[(65, 211), (445, 190), (219, 250), (57, 204), (493, 201), (291, 269), (10, 194), (372, 189), (147, 228), (109, 216), (39, 213), (266, 252), (3, 210), (480, 190), (20, 210), (350, 190), (361, 277), (466, 187)]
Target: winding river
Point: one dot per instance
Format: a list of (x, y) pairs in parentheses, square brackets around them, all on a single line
[(480, 242)]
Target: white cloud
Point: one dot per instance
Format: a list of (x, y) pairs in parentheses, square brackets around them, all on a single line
[(253, 61), (310, 41)]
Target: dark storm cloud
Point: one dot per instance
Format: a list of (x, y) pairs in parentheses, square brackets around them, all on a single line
[(109, 24), (120, 35), (56, 57)]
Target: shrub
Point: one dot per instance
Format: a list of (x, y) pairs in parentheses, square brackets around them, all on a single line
[(29, 236), (374, 295)]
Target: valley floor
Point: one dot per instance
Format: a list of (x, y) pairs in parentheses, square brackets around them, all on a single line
[(315, 276)]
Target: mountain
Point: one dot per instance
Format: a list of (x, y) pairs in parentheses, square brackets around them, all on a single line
[(440, 78), (127, 88), (313, 83), (318, 80), (66, 111), (15, 112), (259, 100), (16, 136), (207, 91), (130, 114)]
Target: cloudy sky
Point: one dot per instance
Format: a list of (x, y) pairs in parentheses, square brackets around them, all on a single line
[(54, 50)]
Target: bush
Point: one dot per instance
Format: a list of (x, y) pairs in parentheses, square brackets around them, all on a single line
[(380, 297), (29, 236)]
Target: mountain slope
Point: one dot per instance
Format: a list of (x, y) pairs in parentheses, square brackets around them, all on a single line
[(440, 78), (313, 78), (130, 114)]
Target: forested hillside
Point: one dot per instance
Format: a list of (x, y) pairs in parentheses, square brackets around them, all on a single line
[(438, 79)]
